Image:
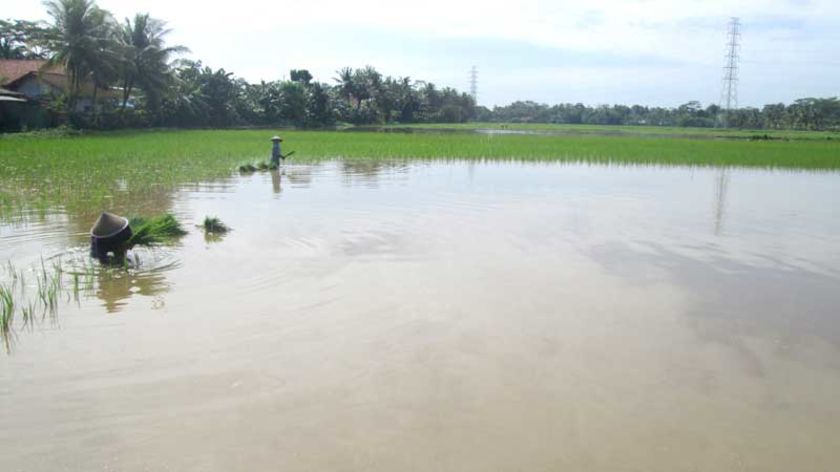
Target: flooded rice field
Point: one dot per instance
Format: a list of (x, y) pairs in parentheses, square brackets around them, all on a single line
[(444, 316)]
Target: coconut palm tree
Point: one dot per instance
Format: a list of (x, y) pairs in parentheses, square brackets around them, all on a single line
[(346, 85), (81, 39), (145, 58), (19, 39)]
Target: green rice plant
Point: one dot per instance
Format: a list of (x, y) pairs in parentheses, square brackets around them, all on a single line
[(28, 314), (7, 314), (16, 297), (156, 230), (136, 170), (49, 288), (55, 287), (41, 279), (263, 166), (214, 225), (89, 278), (76, 287)]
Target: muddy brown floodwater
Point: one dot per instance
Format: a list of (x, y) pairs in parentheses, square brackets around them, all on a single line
[(448, 317)]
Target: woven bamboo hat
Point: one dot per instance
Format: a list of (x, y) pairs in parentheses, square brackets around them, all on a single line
[(107, 225), (276, 138)]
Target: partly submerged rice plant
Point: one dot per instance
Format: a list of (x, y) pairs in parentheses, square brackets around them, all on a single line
[(18, 298), (131, 169), (7, 314), (156, 230), (49, 286), (267, 166), (261, 166), (214, 225)]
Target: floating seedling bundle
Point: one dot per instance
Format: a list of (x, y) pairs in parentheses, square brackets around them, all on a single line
[(260, 166), (213, 225), (156, 230)]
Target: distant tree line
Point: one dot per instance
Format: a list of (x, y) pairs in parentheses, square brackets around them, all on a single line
[(136, 81), (805, 114), (201, 96)]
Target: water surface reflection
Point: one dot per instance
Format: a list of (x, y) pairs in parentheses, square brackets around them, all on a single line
[(456, 316)]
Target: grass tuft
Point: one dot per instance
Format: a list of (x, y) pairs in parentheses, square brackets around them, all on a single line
[(214, 225)]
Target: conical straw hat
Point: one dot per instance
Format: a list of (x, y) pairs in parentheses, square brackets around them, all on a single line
[(276, 138), (108, 225)]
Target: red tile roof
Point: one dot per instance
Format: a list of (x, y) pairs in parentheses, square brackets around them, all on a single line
[(14, 69)]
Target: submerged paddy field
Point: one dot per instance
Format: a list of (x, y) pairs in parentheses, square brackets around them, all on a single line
[(93, 170), (422, 300), (631, 130)]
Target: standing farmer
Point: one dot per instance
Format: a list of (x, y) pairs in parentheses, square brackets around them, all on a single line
[(275, 151)]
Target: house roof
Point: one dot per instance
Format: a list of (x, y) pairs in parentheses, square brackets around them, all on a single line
[(62, 82), (12, 70)]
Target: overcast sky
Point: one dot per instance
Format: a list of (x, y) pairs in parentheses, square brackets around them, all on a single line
[(653, 52)]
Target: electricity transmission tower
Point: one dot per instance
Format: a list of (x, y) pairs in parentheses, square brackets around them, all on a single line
[(474, 83), (729, 94), (721, 190), (728, 101)]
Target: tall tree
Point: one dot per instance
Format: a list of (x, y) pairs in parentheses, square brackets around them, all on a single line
[(300, 75), (368, 84), (346, 87), (81, 40), (319, 110), (20, 39), (145, 57)]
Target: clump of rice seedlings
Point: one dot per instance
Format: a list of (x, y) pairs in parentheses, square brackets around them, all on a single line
[(7, 314), (247, 168), (267, 166), (19, 301), (156, 230), (49, 287), (76, 287), (213, 225), (28, 313)]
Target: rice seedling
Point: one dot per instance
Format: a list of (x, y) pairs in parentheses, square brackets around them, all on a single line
[(42, 300), (76, 287), (156, 230), (259, 166), (28, 314), (7, 313), (214, 225), (49, 288), (110, 170), (267, 166), (620, 130)]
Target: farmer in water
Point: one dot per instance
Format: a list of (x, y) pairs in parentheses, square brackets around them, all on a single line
[(276, 155)]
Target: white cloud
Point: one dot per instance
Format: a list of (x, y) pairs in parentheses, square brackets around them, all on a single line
[(262, 40)]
